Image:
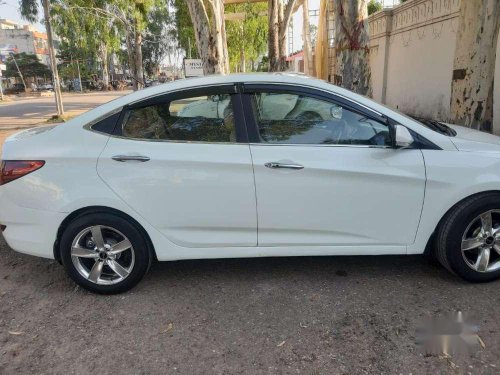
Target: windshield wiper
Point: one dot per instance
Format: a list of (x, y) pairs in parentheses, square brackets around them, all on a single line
[(437, 126)]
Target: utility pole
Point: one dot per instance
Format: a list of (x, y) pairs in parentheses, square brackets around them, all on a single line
[(53, 62)]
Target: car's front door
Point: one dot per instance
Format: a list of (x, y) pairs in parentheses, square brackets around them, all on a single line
[(326, 172), (183, 163)]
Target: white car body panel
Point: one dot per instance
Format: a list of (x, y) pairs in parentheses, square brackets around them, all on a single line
[(197, 195), (315, 205), (34, 206)]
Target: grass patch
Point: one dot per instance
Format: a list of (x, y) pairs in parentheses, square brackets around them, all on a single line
[(56, 119)]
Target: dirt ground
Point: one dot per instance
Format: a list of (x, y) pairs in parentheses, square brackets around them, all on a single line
[(324, 315)]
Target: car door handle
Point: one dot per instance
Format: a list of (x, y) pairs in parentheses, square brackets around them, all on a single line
[(276, 165), (124, 158)]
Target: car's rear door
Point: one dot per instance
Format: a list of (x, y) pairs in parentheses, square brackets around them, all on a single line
[(182, 161), (326, 172)]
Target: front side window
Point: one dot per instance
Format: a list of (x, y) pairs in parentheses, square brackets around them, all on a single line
[(207, 118), (288, 118)]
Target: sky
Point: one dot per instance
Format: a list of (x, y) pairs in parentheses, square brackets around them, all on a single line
[(297, 24), (9, 9)]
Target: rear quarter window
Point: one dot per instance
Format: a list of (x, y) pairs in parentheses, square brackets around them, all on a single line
[(107, 124)]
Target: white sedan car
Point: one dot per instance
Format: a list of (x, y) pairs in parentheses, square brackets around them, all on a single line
[(248, 166)]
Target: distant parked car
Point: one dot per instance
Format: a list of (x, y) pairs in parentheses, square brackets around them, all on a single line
[(46, 87), (248, 166)]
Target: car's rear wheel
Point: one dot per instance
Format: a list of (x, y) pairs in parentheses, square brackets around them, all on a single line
[(468, 239), (104, 253)]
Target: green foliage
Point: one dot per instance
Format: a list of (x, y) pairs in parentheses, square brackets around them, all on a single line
[(29, 65), (68, 68), (246, 38), (184, 30), (374, 6), (86, 25), (29, 10), (158, 38)]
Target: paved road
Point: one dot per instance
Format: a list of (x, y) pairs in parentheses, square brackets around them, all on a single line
[(330, 315), (23, 112)]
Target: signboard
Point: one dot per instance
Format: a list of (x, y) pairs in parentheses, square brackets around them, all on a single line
[(193, 68), (6, 50)]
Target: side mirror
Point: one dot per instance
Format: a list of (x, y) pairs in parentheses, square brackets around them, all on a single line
[(403, 137), (336, 112)]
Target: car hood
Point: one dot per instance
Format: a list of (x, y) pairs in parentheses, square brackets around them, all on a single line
[(468, 139)]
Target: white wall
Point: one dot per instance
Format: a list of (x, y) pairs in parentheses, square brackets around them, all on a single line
[(412, 49), (420, 71)]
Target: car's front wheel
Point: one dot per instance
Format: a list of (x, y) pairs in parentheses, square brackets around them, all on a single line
[(468, 238), (104, 253)]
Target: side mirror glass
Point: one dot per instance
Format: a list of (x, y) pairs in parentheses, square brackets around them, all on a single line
[(336, 112), (403, 137)]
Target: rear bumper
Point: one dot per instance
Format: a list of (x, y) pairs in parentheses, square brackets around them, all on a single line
[(28, 230)]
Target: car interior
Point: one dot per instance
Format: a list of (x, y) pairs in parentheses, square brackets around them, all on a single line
[(168, 122)]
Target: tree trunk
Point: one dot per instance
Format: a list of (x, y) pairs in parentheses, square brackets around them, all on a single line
[(352, 49), (53, 62), (474, 64), (243, 65), (219, 32), (138, 60), (131, 58), (273, 41), (279, 19), (210, 38), (105, 70), (306, 31)]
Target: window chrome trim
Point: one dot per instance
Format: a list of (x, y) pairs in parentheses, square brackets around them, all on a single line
[(319, 145), (172, 141), (317, 89)]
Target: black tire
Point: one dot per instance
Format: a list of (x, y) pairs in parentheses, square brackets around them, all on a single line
[(451, 229), (142, 253)]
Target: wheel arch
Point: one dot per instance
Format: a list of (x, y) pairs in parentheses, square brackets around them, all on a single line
[(98, 209), (429, 248)]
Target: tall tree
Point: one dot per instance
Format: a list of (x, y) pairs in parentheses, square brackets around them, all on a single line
[(474, 64), (158, 38), (184, 30), (279, 19), (246, 34), (90, 27), (30, 11), (29, 65), (352, 49), (210, 34)]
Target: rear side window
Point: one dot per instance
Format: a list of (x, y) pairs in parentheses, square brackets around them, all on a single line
[(106, 125), (290, 118), (208, 118)]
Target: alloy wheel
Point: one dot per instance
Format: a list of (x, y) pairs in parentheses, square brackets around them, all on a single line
[(102, 255), (481, 242)]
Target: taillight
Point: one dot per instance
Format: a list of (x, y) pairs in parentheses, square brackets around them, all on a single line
[(13, 169)]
